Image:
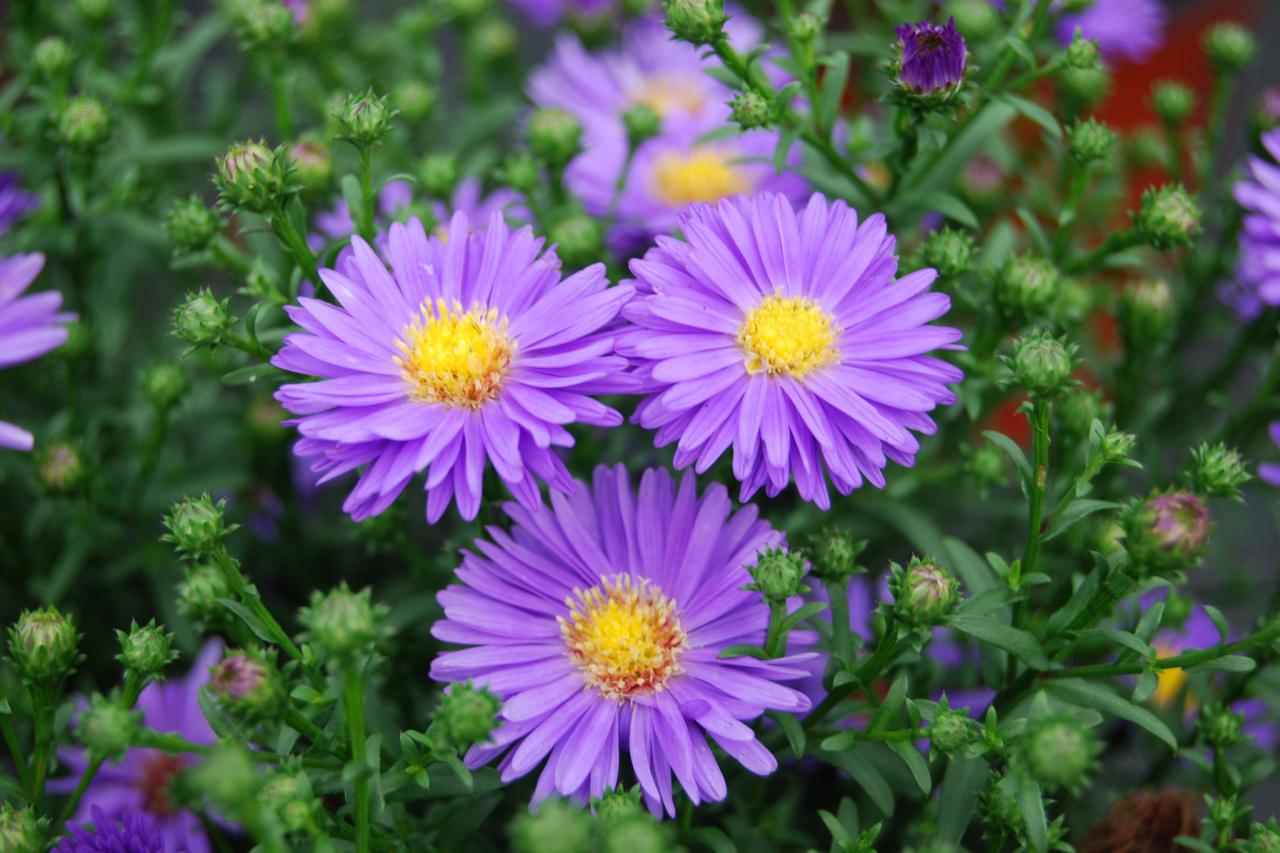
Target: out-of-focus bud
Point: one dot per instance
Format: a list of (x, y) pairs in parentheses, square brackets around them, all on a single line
[(1078, 409), (20, 830), (1173, 101), (555, 136), (343, 624), (94, 11), (1229, 46), (1083, 87), (777, 574), (289, 796), (191, 225), (750, 110), (1117, 445), (197, 526), (976, 20), (1218, 471), (1146, 315), (555, 826), (466, 715), (1060, 752), (248, 685), (521, 172), (1263, 838), (198, 594), (951, 731), (438, 175), (639, 833), (949, 251), (923, 593), (61, 467), (1026, 286), (1266, 115), (833, 553), (312, 163), (1082, 54), (253, 177), (618, 804), (1219, 726), (52, 58), (364, 119), (202, 321), (493, 40), (43, 646), (466, 10), (229, 779), (146, 649), (415, 99), (266, 26), (1167, 532), (107, 728), (579, 240), (1168, 217), (698, 22), (1091, 141), (987, 465), (164, 385), (642, 122), (1042, 364), (83, 124)]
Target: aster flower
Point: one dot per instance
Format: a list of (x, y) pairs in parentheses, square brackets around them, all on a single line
[(1124, 29), (134, 833), (139, 783), (599, 623), (933, 59), (1257, 277), (15, 202), (30, 326), (1270, 471), (787, 337), (471, 349)]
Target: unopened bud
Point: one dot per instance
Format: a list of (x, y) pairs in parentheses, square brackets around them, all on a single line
[(414, 99), (923, 593), (1042, 364), (578, 239), (1218, 471), (253, 177), (199, 593), (261, 26), (1219, 726), (521, 172), (52, 57), (555, 826), (1091, 141), (1263, 838), (1168, 531), (1082, 54), (777, 574), (61, 467), (83, 124), (834, 554), (43, 646), (146, 649), (1060, 752), (247, 683), (107, 728), (165, 385), (1083, 87), (289, 796), (750, 110), (1146, 315), (555, 136), (642, 122), (364, 119), (191, 225), (466, 715), (196, 526), (312, 163), (1026, 286), (20, 830), (202, 321), (949, 251), (1168, 217), (342, 623), (438, 175), (698, 22), (951, 731), (229, 779), (1230, 47), (1173, 102), (975, 19)]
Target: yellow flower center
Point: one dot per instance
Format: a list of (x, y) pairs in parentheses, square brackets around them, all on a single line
[(788, 335), (668, 93), (1170, 683), (624, 636), (455, 357), (681, 178)]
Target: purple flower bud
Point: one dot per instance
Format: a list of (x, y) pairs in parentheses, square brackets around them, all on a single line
[(933, 57), (1180, 522)]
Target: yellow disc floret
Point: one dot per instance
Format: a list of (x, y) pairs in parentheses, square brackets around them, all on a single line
[(788, 335), (705, 173), (1170, 682), (624, 636), (453, 356)]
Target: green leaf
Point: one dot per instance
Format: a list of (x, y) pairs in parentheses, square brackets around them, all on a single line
[(1035, 112), (964, 782), (802, 613), (354, 197), (937, 173), (866, 775), (839, 742), (1226, 663), (1014, 452), (833, 83), (1088, 694), (1060, 620), (715, 839), (1022, 645), (1194, 844), (219, 721), (1031, 804), (976, 576), (1038, 237), (1219, 621), (838, 833), (1150, 622), (906, 750), (1123, 638), (743, 650), (249, 618), (1075, 511), (782, 150), (792, 729), (891, 706), (251, 374), (1147, 684), (955, 210)]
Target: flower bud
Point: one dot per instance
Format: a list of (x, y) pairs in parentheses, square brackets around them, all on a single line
[(834, 554), (975, 19), (578, 240), (107, 728), (1117, 445), (520, 171), (364, 119), (52, 58), (1147, 149), (191, 225), (1079, 408), (1263, 838), (1083, 87), (1266, 115), (252, 176), (414, 99), (618, 804), (198, 594), (438, 175), (642, 122), (555, 826), (1218, 471), (197, 526), (312, 163), (94, 11), (1168, 217), (987, 464), (698, 22), (951, 731), (1225, 811), (202, 321), (342, 623), (466, 715), (923, 592), (466, 10), (1173, 102), (261, 25), (1042, 364), (1219, 726), (146, 649), (83, 124), (1090, 141), (1026, 286), (1082, 54), (20, 830), (289, 796), (1146, 315), (1229, 46), (750, 110), (1060, 752), (493, 40), (164, 385), (777, 574), (949, 251), (42, 646), (247, 684), (229, 779), (555, 136), (638, 833), (805, 27), (1168, 531), (61, 467), (932, 59)]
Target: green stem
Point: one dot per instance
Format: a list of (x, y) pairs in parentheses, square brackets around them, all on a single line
[(42, 714), (1040, 470), (132, 689), (353, 701), (841, 636), (366, 191), (1080, 175), (776, 639), (1116, 242), (280, 97), (296, 242), (886, 651), (15, 750), (1187, 659)]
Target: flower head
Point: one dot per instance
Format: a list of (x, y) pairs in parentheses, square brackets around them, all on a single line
[(1124, 29), (599, 623), (934, 57), (133, 833), (471, 349), (1257, 276), (30, 326), (785, 335)]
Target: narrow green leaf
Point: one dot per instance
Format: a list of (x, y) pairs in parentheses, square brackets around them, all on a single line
[(838, 833), (866, 775), (1031, 804), (1150, 621), (1059, 621), (1147, 684), (1022, 645), (1035, 113), (1014, 452), (1219, 621), (1226, 663), (1123, 638), (833, 83), (743, 650), (1194, 844), (976, 576), (792, 729), (1076, 510), (963, 783), (715, 839), (906, 750), (955, 210), (1089, 694), (251, 374), (249, 618)]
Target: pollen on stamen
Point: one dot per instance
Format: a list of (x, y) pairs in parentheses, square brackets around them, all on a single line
[(788, 335), (453, 356), (624, 636)]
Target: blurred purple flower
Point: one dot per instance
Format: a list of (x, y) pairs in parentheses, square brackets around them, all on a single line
[(1270, 471), (133, 833), (15, 202), (1124, 29), (1256, 283), (30, 326)]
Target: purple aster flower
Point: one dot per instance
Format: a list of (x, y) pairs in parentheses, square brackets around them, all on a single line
[(788, 337), (1124, 29), (301, 10), (30, 326), (336, 222), (933, 57), (15, 202), (469, 197), (140, 782), (134, 833), (1270, 471), (471, 349), (1257, 277), (599, 622)]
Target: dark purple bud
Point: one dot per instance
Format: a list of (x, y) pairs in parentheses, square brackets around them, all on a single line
[(1179, 522), (933, 57)]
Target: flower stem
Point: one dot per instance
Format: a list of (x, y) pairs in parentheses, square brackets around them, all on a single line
[(366, 192), (15, 750), (776, 638), (353, 700), (1116, 242)]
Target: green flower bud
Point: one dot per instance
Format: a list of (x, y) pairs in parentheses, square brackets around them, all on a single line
[(556, 826), (1146, 315), (83, 124), (750, 110), (1167, 532), (579, 240), (52, 57), (466, 715), (777, 574), (1225, 811), (1079, 408), (642, 122), (229, 779), (805, 27), (20, 830), (1083, 87), (923, 593), (555, 136), (466, 10), (165, 385), (987, 465), (949, 251), (42, 646), (1117, 445), (364, 119), (311, 162), (976, 20), (107, 728), (1230, 47), (95, 11), (202, 321), (342, 623), (1148, 148), (834, 554), (1173, 102), (1082, 54), (951, 731), (289, 796), (414, 99), (198, 594), (1218, 471), (1059, 752), (191, 225), (521, 172), (1219, 726), (618, 804), (146, 649), (253, 177), (1263, 838), (1042, 364), (638, 833), (493, 40), (61, 467), (1090, 141), (1168, 217), (248, 685), (438, 175), (698, 22), (1027, 285), (1000, 808), (197, 526), (261, 25)]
